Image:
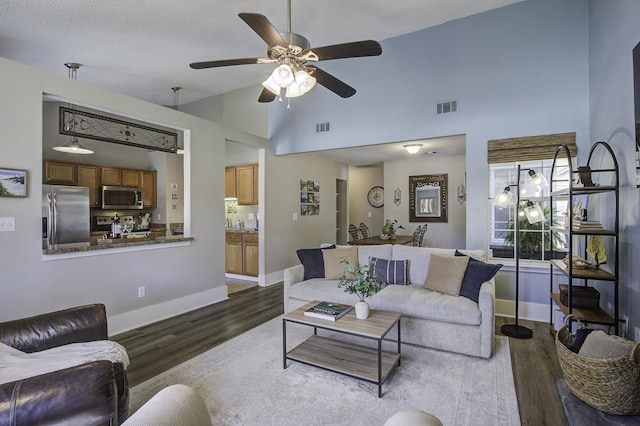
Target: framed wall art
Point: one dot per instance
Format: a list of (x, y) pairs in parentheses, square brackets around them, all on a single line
[(309, 197), (428, 196), (13, 183)]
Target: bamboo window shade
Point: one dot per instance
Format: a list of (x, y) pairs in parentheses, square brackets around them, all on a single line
[(529, 148)]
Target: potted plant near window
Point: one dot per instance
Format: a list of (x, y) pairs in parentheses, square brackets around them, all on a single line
[(362, 281)]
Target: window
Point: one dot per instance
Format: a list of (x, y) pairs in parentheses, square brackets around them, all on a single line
[(535, 240)]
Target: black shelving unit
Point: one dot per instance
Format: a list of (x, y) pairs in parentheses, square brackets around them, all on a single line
[(583, 276)]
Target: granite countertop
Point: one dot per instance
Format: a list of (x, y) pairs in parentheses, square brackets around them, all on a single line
[(118, 243)]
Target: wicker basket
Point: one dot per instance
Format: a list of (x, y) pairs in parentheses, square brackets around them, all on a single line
[(611, 385)]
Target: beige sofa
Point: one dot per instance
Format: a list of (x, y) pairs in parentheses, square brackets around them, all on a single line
[(429, 318)]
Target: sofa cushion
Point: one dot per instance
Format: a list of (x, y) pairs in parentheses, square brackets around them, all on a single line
[(334, 261), (418, 302), (418, 258), (381, 251), (477, 273), (321, 290), (313, 262), (446, 273), (391, 271)]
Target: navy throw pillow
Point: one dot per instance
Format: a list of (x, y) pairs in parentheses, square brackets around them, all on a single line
[(477, 273), (391, 271), (313, 261)]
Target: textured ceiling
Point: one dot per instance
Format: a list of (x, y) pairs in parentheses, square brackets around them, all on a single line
[(142, 48)]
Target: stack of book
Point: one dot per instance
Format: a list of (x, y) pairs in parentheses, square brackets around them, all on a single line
[(586, 225), (328, 311)]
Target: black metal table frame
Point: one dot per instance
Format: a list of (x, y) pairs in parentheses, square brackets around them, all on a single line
[(315, 332)]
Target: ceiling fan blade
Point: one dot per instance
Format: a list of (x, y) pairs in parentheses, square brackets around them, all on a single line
[(338, 87), (261, 25), (223, 63), (266, 96), (354, 49)]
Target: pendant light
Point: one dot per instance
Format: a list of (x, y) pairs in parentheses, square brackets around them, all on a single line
[(73, 146)]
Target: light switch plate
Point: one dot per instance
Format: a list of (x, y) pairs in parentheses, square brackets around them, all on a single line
[(7, 224), (295, 216)]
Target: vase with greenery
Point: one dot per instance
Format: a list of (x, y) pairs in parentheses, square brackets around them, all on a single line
[(362, 281), (390, 227), (532, 243)]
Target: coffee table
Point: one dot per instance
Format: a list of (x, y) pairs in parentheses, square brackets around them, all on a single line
[(363, 362)]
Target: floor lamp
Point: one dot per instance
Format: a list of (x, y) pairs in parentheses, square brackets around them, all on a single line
[(534, 214)]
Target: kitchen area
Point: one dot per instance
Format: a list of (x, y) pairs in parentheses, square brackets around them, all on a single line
[(119, 196)]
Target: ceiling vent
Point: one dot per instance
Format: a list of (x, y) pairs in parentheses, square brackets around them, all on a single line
[(445, 107), (322, 127)]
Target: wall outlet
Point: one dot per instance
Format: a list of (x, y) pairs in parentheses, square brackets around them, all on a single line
[(7, 224), (295, 216), (141, 291), (159, 216), (636, 334)]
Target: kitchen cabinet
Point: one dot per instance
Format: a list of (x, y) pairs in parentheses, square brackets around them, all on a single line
[(61, 173), (246, 185), (89, 176), (250, 254), (230, 182), (113, 176), (149, 189), (233, 258)]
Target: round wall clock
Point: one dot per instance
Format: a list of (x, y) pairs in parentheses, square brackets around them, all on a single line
[(376, 196)]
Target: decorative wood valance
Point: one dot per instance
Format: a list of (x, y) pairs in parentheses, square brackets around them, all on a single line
[(529, 147)]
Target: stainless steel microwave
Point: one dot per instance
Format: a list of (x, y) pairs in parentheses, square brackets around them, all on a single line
[(122, 198)]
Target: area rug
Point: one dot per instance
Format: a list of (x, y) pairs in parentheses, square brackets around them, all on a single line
[(243, 383)]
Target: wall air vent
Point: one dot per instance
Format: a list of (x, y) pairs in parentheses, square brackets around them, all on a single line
[(322, 127), (445, 107)]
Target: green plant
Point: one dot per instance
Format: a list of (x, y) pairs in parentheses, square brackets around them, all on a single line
[(360, 280), (530, 239)]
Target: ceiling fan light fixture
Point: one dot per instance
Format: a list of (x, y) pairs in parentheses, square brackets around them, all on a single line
[(271, 85), (283, 75), (305, 81), (73, 147), (413, 148), (294, 90)]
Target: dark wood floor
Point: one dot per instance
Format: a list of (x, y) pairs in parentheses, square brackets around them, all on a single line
[(157, 347)]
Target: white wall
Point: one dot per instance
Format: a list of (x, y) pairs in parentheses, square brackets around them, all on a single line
[(450, 234), (361, 180), (177, 279)]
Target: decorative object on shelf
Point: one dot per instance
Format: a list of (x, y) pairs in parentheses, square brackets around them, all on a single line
[(582, 297), (73, 146), (584, 177), (376, 196), (534, 215), (595, 249), (361, 281), (428, 198), (578, 263), (13, 183), (397, 197), (309, 197)]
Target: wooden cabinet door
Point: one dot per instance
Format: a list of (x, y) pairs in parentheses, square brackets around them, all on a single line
[(230, 182), (233, 253), (149, 188), (89, 176), (110, 176), (255, 184), (250, 255), (59, 173), (244, 185), (131, 178)]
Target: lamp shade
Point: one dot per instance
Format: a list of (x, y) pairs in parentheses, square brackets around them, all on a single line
[(73, 147), (504, 198), (271, 85), (283, 75), (533, 212), (538, 179), (305, 81), (294, 90)]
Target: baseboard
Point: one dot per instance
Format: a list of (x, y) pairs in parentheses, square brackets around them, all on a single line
[(150, 314), (272, 278), (529, 311), (241, 277)]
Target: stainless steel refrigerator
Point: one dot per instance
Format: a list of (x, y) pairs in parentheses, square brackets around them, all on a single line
[(65, 215)]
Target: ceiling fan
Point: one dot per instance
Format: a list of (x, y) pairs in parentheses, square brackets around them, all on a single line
[(292, 53)]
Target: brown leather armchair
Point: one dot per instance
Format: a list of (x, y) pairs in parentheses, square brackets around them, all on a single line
[(95, 393)]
